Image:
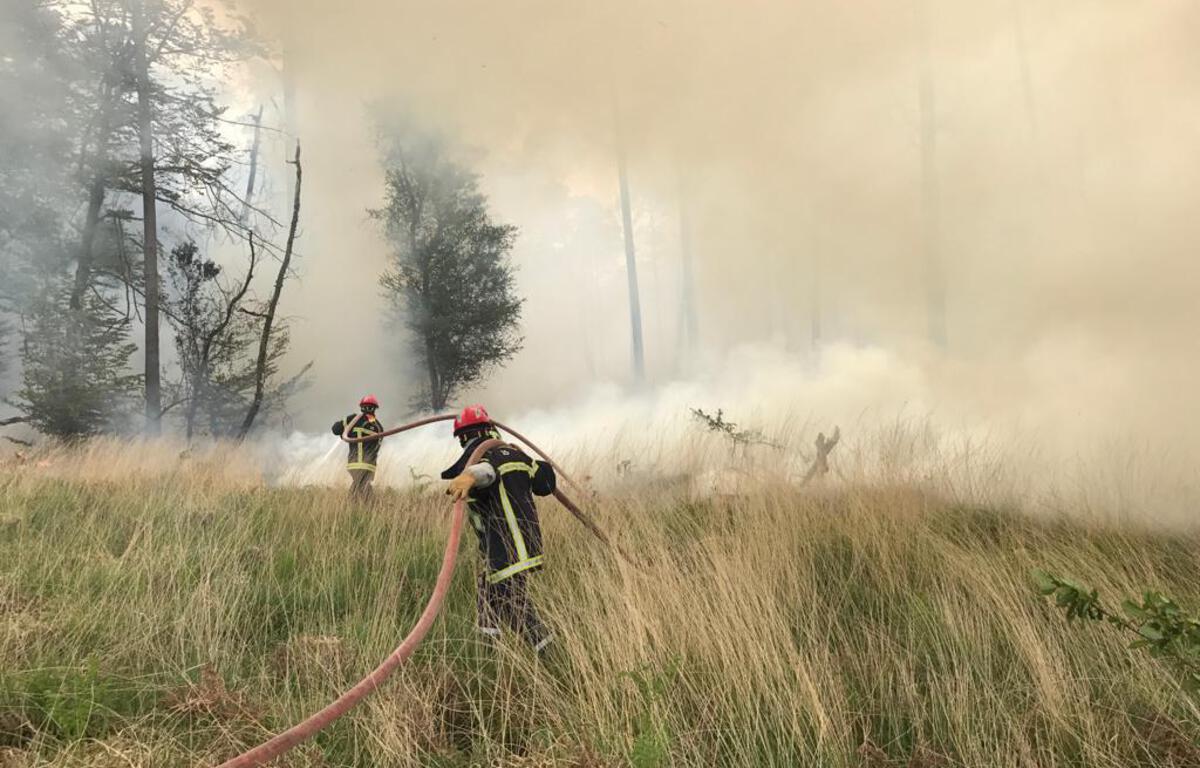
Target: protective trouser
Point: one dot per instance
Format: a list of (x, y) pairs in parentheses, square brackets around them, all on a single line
[(506, 605), (360, 486)]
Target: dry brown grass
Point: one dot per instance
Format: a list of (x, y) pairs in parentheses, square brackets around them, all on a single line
[(159, 611)]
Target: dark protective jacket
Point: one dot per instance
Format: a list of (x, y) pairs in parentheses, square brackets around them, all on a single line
[(503, 514), (362, 455)]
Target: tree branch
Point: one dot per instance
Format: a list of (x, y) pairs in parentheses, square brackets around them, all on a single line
[(260, 374)]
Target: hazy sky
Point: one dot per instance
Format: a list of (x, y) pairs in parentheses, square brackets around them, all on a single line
[(792, 133)]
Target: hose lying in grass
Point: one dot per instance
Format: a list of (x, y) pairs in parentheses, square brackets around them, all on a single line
[(283, 742)]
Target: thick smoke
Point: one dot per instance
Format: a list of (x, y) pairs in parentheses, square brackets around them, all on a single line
[(1066, 162)]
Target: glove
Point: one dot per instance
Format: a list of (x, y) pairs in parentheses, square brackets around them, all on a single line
[(461, 486)]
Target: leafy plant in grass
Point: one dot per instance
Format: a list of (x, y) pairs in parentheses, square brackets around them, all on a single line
[(1157, 623), (651, 740), (70, 703)]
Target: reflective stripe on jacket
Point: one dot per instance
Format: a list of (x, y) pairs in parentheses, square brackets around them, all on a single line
[(503, 513), (363, 455)]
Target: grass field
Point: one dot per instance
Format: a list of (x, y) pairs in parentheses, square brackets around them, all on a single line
[(173, 617)]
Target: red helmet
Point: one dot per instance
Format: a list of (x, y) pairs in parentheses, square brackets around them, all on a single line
[(368, 402), (471, 416)]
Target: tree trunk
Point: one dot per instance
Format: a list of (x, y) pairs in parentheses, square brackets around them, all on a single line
[(192, 406), (83, 269), (935, 290), (96, 194), (264, 342), (635, 305), (691, 334), (253, 164), (150, 221), (814, 295), (289, 106), (437, 398)]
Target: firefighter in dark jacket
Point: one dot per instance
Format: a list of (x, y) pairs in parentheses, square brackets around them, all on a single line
[(499, 491), (365, 455)]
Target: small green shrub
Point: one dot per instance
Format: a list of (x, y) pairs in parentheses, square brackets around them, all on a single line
[(72, 703), (1157, 623), (652, 739)]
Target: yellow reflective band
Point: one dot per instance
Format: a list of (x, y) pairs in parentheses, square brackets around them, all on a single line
[(361, 465), (514, 569), (513, 528), (516, 466)]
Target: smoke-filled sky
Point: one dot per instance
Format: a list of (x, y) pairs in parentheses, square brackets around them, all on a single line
[(1067, 164)]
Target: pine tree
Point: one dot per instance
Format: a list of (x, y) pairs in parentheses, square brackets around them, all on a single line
[(36, 127), (450, 279), (75, 380)]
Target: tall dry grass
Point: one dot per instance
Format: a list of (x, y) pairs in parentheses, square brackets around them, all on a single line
[(159, 609)]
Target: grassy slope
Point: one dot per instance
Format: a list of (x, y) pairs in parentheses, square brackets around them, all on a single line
[(172, 620)]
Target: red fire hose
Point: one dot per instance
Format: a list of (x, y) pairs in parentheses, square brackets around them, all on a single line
[(583, 517), (308, 728), (450, 417)]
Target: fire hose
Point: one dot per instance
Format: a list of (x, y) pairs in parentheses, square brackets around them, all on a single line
[(316, 722), (583, 517)]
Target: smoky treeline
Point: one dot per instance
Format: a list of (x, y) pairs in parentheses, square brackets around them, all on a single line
[(978, 208), (144, 251), (995, 193), (119, 185)]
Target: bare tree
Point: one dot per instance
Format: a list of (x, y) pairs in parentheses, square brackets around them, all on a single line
[(153, 382), (210, 333), (690, 327), (264, 344), (252, 177), (635, 303), (935, 287)]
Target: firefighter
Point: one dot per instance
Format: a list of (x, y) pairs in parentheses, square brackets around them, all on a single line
[(365, 455), (499, 491)]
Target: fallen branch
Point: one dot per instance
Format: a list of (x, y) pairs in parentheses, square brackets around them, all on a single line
[(14, 420), (719, 424), (820, 464)]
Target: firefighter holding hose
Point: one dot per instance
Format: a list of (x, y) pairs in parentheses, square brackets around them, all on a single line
[(365, 455), (499, 492)]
